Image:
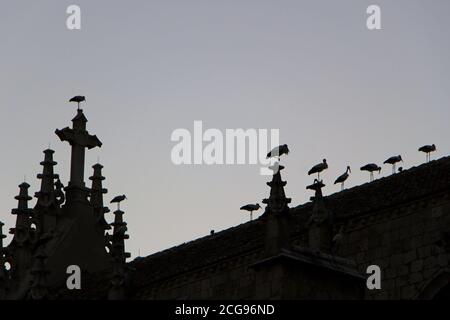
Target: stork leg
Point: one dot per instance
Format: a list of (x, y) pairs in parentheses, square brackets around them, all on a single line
[(393, 168), (342, 186), (251, 215), (371, 176)]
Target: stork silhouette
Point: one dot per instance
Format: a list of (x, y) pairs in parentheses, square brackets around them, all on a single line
[(393, 161), (343, 177), (318, 168), (371, 167), (78, 100), (428, 149), (278, 151), (250, 208), (118, 200)]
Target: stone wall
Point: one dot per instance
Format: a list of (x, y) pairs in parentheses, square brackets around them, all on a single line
[(404, 242), (230, 279)]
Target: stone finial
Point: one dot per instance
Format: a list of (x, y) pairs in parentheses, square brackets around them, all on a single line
[(45, 195), (79, 139), (24, 236), (2, 236), (3, 276), (277, 202), (320, 222), (21, 231), (277, 215), (96, 199), (118, 237), (119, 256), (2, 249), (47, 206)]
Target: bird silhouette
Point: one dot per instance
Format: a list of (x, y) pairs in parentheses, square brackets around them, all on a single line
[(78, 99), (250, 208), (428, 149), (341, 179), (371, 167), (117, 200), (318, 168), (393, 161), (278, 151)]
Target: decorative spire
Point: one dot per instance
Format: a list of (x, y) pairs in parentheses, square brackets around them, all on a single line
[(2, 236), (47, 205), (3, 276), (23, 236), (22, 229), (277, 214), (320, 222), (119, 256), (46, 194), (79, 139), (277, 202), (97, 192)]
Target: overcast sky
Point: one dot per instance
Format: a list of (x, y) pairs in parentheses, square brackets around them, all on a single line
[(311, 69)]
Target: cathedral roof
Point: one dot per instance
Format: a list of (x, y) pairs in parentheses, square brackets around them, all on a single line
[(248, 238), (412, 184)]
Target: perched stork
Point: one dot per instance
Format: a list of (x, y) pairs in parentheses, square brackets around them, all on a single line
[(278, 151), (78, 99), (371, 167), (117, 200), (341, 179), (251, 208), (393, 161), (428, 149), (318, 168)]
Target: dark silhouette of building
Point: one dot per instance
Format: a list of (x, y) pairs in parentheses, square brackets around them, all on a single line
[(318, 250), (66, 227)]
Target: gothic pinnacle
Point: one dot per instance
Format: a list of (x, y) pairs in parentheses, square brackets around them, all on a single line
[(277, 201), (96, 199)]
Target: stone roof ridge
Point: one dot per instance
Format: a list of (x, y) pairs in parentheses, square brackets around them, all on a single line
[(408, 173), (198, 240)]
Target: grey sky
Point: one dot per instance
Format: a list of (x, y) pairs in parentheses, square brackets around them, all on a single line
[(310, 68)]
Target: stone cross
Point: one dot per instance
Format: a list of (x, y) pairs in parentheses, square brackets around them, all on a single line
[(79, 139)]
